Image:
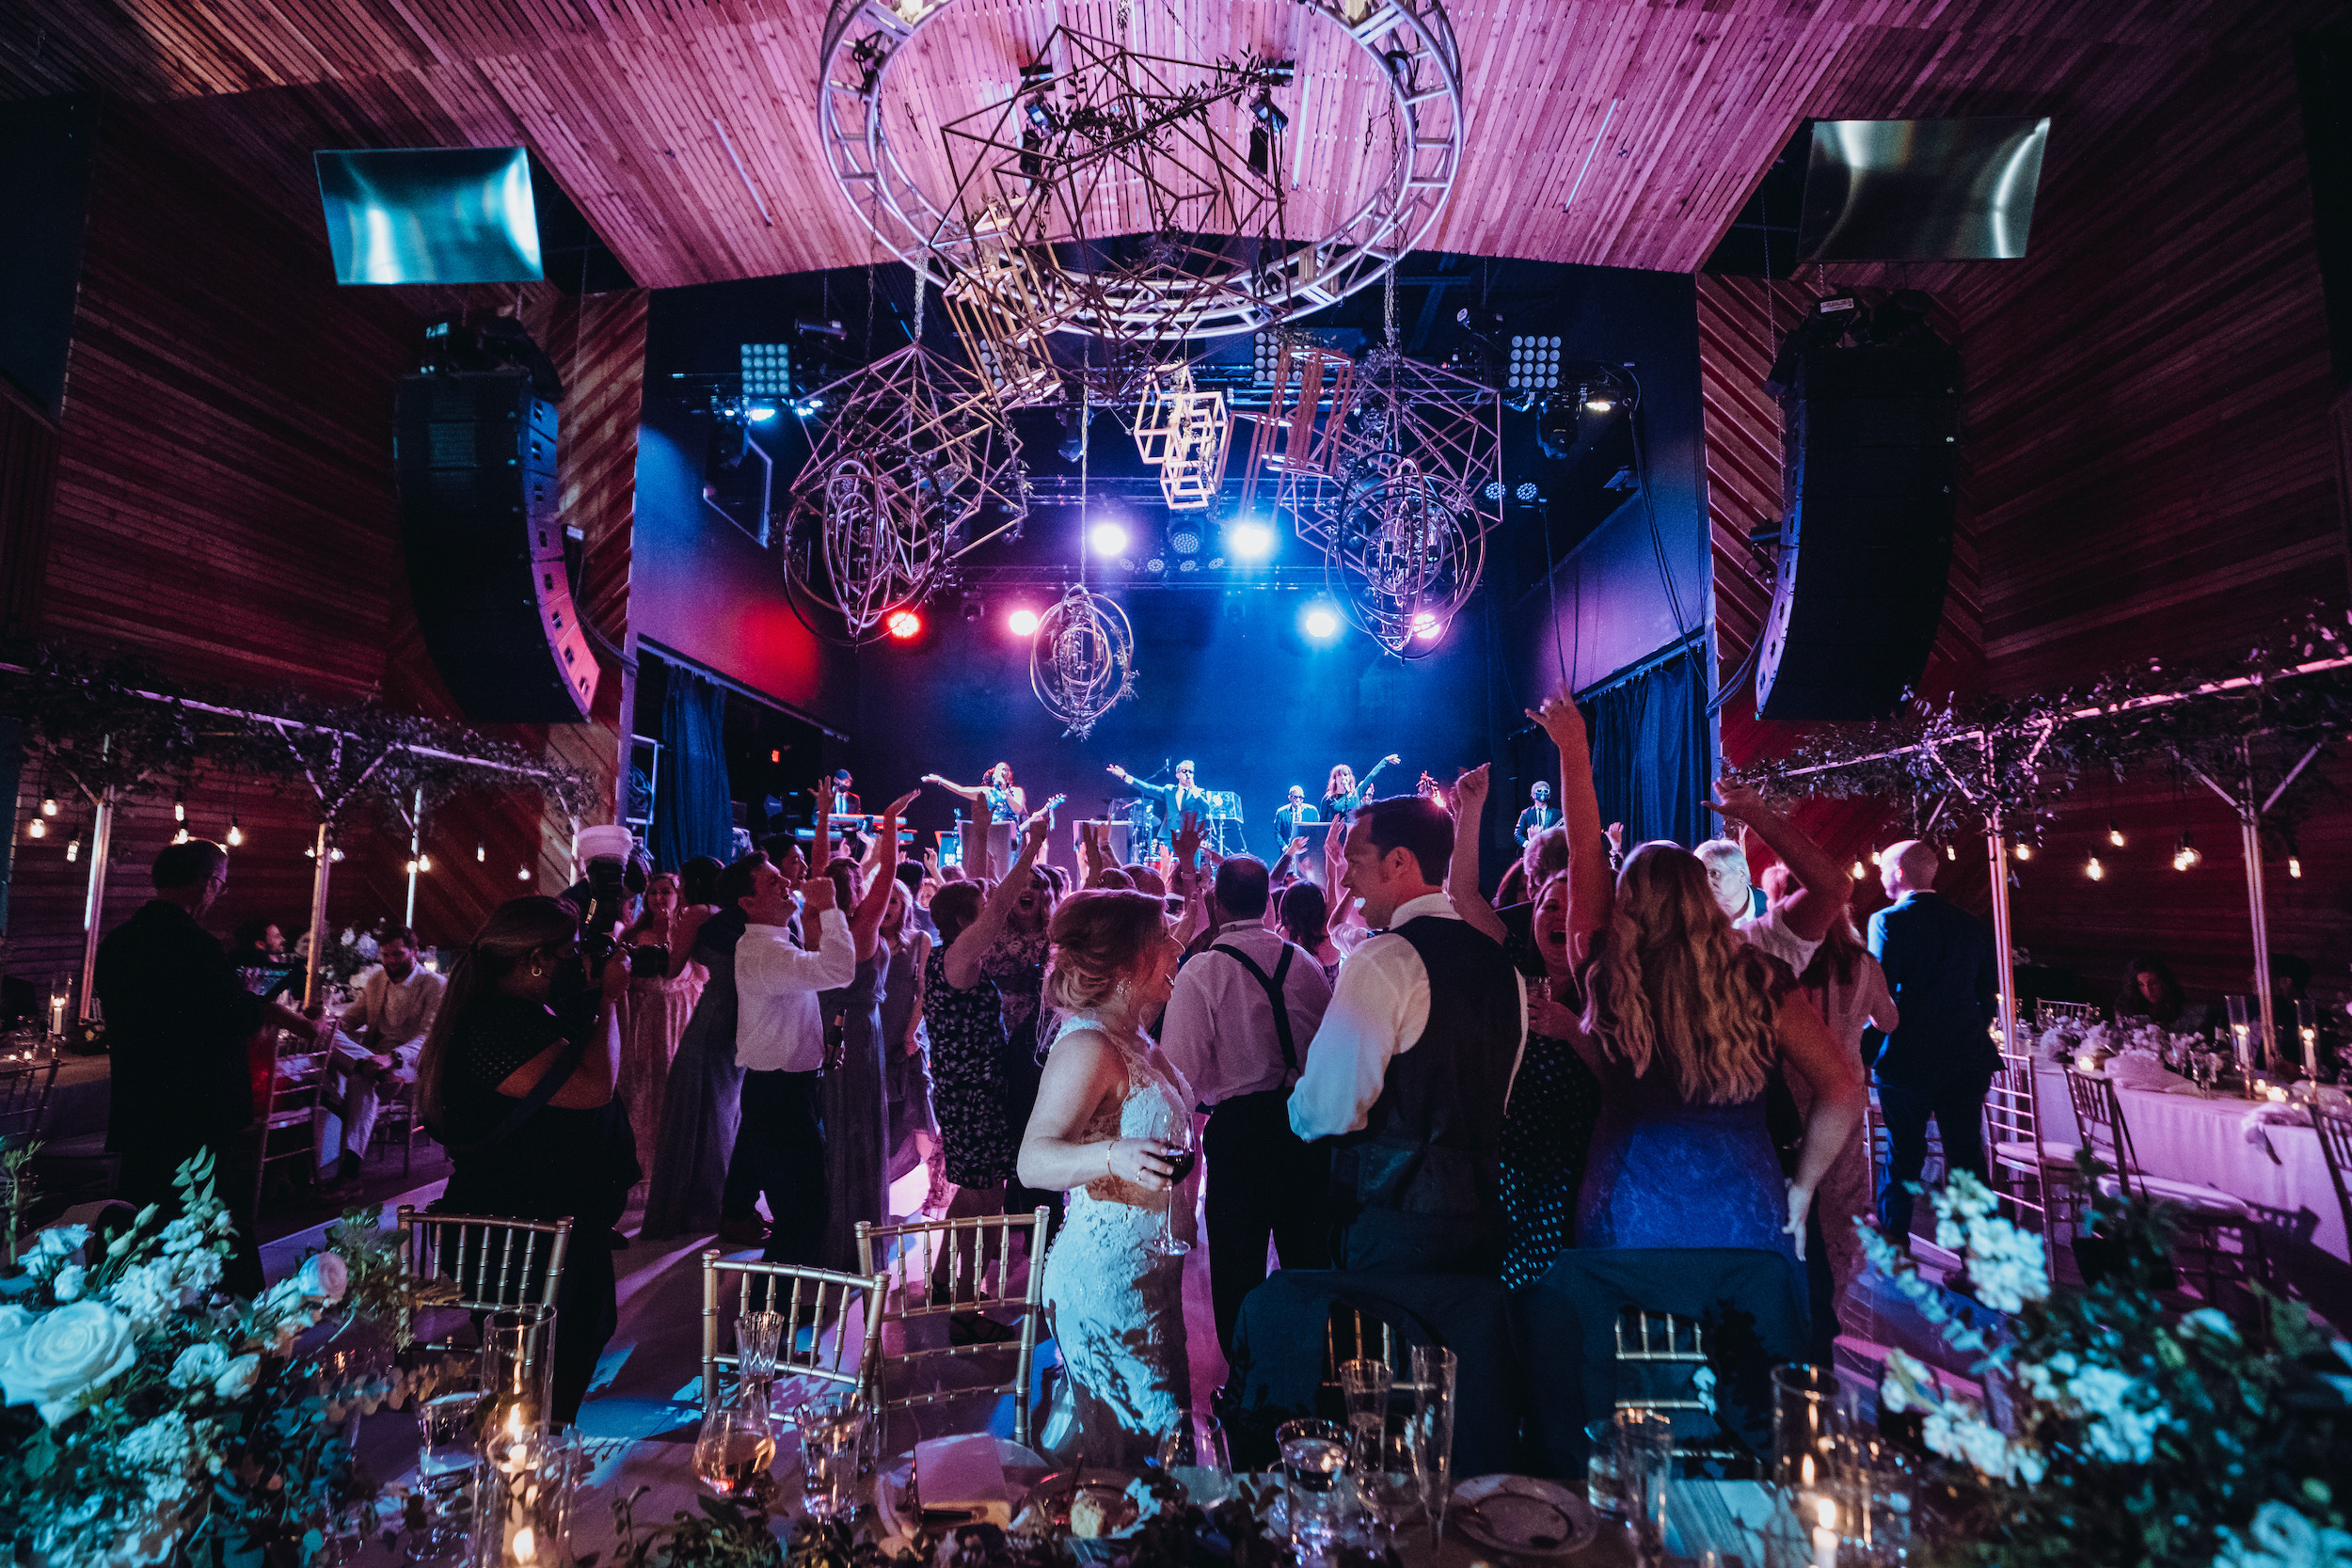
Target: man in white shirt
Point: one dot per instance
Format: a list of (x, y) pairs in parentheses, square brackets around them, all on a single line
[(1241, 1055), (1790, 928), (380, 1036), (1412, 1065), (780, 1045)]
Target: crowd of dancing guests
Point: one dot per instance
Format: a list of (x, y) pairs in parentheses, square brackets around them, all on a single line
[(1623, 1049)]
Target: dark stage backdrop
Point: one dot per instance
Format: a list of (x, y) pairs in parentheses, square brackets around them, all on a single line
[(690, 815), (1649, 749)]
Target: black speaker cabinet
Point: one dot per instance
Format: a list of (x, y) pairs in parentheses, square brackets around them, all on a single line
[(475, 457), (1870, 454)]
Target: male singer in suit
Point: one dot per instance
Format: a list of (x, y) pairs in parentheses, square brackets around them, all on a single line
[(1176, 799), (1535, 818), (1941, 1059)]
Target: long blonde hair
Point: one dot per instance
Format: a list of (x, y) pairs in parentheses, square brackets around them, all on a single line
[(1332, 785), (1670, 977)]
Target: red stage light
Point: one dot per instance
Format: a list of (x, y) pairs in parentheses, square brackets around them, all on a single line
[(904, 624)]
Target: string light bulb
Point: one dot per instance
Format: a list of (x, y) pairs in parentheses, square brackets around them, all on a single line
[(180, 809), (74, 846), (409, 869), (180, 838), (2186, 858), (37, 829), (2115, 835), (2024, 851), (1951, 851), (2096, 872), (335, 854), (311, 850), (1860, 871), (523, 875), (482, 851), (2295, 866), (236, 835), (425, 862), (49, 805)]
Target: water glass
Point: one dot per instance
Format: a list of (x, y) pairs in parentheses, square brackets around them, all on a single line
[(735, 1451), (1808, 1404), (1388, 1473), (1365, 1385), (1645, 1454), (830, 1429), (1601, 1470), (758, 1336), (1197, 1442), (1314, 1465), (447, 1445), (1434, 1371)]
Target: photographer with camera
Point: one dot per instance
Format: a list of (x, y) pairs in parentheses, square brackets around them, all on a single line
[(522, 1096)]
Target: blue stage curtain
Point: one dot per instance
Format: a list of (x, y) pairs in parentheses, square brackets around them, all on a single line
[(692, 816), (1651, 751)]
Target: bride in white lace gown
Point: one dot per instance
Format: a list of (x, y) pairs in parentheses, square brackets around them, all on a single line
[(1106, 1110)]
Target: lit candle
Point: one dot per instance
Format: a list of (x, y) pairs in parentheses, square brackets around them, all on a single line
[(2311, 1051), (2275, 1091), (1825, 1534)]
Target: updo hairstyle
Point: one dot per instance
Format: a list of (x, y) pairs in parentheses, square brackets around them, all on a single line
[(1101, 936)]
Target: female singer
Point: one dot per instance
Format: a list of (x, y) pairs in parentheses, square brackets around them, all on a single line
[(1342, 794), (1007, 802)]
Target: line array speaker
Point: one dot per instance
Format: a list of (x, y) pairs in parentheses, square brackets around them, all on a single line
[(1869, 455), (475, 457)]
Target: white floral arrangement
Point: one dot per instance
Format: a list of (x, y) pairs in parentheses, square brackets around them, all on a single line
[(2133, 1432), (143, 1405)]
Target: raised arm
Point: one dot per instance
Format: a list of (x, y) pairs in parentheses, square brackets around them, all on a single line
[(1590, 893), (1840, 1095), (1822, 885), (1461, 877), (1081, 1074), (865, 922), (966, 953), (972, 793)]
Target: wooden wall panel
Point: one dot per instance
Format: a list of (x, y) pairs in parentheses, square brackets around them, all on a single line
[(28, 483)]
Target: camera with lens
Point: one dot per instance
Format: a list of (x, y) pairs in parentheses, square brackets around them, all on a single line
[(610, 890)]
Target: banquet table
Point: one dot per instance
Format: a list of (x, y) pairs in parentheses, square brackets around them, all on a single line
[(2218, 1143)]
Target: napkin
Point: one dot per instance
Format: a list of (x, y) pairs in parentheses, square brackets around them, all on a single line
[(2135, 1070), (964, 1476)]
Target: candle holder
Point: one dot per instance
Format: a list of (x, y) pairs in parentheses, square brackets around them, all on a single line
[(2306, 1036), (517, 1370), (522, 1511)]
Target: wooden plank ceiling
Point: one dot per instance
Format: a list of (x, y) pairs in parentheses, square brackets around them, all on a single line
[(624, 99)]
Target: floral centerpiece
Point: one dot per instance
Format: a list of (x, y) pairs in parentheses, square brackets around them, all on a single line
[(2135, 1432), (146, 1413)]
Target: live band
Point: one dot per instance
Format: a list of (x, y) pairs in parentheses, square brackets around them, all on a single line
[(1142, 821)]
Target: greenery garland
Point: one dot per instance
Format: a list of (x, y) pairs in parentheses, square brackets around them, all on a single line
[(114, 723), (2018, 758)]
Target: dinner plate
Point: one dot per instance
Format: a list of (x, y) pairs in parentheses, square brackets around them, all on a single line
[(1523, 1516)]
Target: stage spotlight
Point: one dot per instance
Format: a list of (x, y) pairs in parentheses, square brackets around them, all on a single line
[(1023, 622), (903, 625), (1251, 541), (1157, 565), (1188, 564), (1109, 539), (973, 608), (1526, 492), (1427, 627), (1184, 539), (758, 412), (1494, 490), (1320, 623)]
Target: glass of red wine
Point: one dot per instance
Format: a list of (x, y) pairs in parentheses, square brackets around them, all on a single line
[(1181, 1149)]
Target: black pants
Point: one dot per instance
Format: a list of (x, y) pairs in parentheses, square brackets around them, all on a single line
[(1264, 1181), (1957, 1104), (143, 1176), (780, 1150)]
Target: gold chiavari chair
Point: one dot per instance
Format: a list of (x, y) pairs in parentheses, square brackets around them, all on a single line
[(2209, 1211), (1653, 1350), (2031, 1173), (494, 1264), (2334, 1126), (840, 1313), (936, 1271)]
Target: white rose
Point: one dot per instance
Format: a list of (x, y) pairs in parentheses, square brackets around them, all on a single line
[(198, 1364), (62, 1240), (69, 1283), (323, 1276), (62, 1356), (237, 1378)]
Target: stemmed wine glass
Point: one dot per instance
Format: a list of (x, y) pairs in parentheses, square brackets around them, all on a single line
[(1181, 1148)]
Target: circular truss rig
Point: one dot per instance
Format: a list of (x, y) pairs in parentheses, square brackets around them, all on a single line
[(1082, 660), (1214, 256), (912, 453)]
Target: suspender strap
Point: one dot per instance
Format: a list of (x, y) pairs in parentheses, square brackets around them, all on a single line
[(1273, 984)]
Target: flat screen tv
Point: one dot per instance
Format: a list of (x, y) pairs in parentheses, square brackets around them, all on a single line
[(430, 214), (1920, 190)]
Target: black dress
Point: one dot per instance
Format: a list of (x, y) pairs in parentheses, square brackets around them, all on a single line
[(1546, 1133), (558, 1164)]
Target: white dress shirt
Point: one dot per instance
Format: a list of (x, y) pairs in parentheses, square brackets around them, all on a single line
[(779, 1026), (400, 1010), (1379, 1010), (1219, 1029), (1769, 933)]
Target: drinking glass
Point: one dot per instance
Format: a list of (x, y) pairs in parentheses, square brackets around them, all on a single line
[(517, 1364), (829, 1428), (1314, 1460), (1601, 1470), (1181, 1148), (735, 1451), (1389, 1472), (1197, 1442), (446, 1441), (1434, 1368), (522, 1500), (2242, 1017), (1645, 1450), (2306, 1037), (1365, 1383), (757, 1339)]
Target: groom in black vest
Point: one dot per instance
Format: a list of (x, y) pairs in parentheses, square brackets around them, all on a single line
[(1408, 1072)]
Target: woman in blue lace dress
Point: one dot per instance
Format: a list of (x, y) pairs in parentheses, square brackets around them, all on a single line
[(1683, 1024)]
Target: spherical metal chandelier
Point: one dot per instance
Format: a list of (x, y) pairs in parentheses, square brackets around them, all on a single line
[(913, 467), (1131, 193), (1082, 661)]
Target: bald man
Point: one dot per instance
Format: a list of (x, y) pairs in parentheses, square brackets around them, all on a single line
[(1941, 1059)]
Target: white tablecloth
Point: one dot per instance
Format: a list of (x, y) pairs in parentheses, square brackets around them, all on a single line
[(2183, 1137)]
